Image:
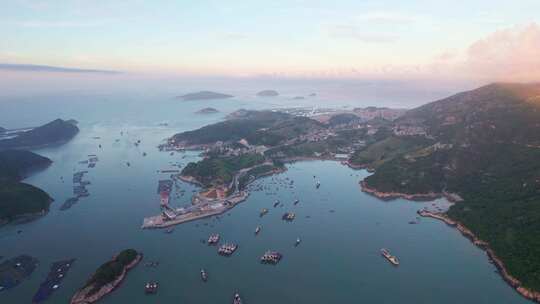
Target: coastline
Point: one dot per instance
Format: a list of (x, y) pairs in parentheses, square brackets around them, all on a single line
[(394, 195), (507, 277), (466, 232), (82, 297)]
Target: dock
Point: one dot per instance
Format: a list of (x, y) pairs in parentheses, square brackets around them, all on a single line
[(204, 208)]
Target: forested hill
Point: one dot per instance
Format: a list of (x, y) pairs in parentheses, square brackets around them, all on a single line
[(16, 198), (56, 131), (485, 146)]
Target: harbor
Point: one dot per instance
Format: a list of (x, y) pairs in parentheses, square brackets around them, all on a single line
[(122, 196)]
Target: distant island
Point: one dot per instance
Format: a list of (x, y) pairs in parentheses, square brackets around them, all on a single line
[(298, 97), (479, 149), (55, 132), (203, 95), (207, 111), (107, 277), (268, 93), (312, 94), (20, 200)]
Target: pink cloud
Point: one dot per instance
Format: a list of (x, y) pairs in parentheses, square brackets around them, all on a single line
[(510, 54)]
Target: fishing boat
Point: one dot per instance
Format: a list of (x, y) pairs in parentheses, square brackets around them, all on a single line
[(297, 242), (237, 299), (296, 202), (276, 203), (263, 212), (392, 259), (204, 275), (318, 184), (271, 257), (151, 287), (288, 216), (213, 239), (258, 229), (227, 249)]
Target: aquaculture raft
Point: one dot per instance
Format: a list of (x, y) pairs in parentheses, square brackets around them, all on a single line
[(52, 282)]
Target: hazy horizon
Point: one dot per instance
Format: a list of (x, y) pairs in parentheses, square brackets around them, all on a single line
[(366, 40)]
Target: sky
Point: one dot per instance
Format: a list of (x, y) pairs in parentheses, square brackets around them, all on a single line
[(482, 40)]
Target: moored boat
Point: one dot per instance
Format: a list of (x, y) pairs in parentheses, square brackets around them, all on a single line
[(392, 259), (227, 249), (237, 299), (151, 287), (213, 239), (289, 216), (204, 275), (263, 212), (271, 257)]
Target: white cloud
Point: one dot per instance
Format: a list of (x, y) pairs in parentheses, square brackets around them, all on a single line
[(387, 17), (59, 24), (354, 32)]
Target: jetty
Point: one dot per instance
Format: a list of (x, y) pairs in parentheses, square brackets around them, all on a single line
[(202, 208)]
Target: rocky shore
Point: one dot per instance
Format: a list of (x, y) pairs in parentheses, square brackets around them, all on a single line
[(393, 195), (512, 281), (451, 197), (84, 295)]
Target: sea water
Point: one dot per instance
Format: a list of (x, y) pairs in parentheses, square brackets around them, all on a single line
[(341, 228)]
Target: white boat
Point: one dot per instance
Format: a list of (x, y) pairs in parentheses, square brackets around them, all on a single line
[(392, 259)]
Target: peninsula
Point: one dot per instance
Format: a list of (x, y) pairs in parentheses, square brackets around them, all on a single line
[(20, 200), (203, 95), (55, 132), (107, 277)]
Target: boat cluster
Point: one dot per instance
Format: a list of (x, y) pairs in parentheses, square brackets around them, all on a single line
[(288, 216), (151, 287), (271, 257), (213, 239), (227, 249)]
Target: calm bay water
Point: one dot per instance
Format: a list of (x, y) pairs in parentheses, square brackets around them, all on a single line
[(342, 229)]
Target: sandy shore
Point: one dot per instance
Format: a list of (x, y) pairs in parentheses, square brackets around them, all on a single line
[(82, 296)]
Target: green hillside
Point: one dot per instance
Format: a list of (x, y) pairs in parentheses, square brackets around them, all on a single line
[(488, 151)]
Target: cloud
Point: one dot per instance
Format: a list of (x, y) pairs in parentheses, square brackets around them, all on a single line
[(59, 24), (511, 54), (387, 17), (354, 32), (47, 68)]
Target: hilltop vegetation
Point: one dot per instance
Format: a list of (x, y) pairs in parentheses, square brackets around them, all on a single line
[(56, 131), (16, 164), (485, 146), (16, 198), (243, 125), (111, 270), (216, 170)]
